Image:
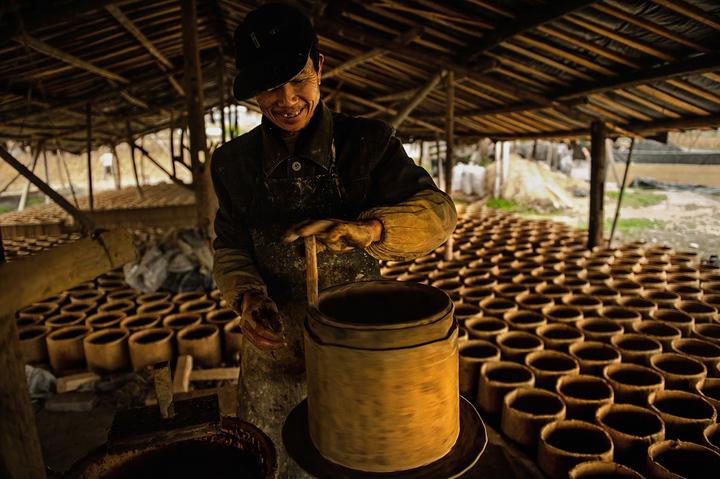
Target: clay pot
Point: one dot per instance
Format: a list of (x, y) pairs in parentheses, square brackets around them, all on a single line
[(526, 411), (179, 321), (153, 297), (221, 316), (603, 469), (86, 296), (707, 332), (187, 296), (475, 294), (487, 328), (636, 348), (632, 429), (534, 302), (699, 310), (121, 295), (515, 345), (462, 334), (64, 320), (112, 285), (79, 308), (678, 459), (650, 281), (608, 296), (497, 307), (710, 390), (589, 305), (450, 286), (680, 371), (465, 311), (662, 332), (509, 291), (686, 291), (713, 300), (150, 346), (699, 350), (496, 379), (106, 351), (553, 291), (597, 329), (124, 306), (625, 316), (593, 356), (33, 345), (161, 308), (583, 395), (524, 320), (38, 311), (104, 320), (633, 383), (412, 277), (473, 354), (643, 306), (562, 314), (559, 337), (140, 321), (392, 273), (65, 348), (202, 342), (685, 415), (549, 366), (712, 437), (663, 299), (567, 443), (233, 340)]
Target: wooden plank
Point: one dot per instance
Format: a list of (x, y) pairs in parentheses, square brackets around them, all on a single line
[(183, 370), (70, 383), (123, 20), (573, 39), (411, 104), (20, 452), (49, 50), (449, 129), (62, 267), (691, 11), (215, 374), (598, 168), (91, 200)]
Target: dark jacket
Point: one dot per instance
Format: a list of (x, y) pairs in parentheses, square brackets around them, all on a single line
[(378, 177)]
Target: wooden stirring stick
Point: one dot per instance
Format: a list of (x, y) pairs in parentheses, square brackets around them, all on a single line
[(311, 270)]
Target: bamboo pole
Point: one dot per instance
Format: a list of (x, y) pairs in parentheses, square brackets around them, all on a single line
[(622, 193)]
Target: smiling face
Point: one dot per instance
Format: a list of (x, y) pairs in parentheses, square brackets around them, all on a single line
[(291, 105)]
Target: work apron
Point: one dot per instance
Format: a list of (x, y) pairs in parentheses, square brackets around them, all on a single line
[(274, 382)]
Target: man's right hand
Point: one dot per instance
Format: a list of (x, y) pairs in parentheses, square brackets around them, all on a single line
[(261, 320)]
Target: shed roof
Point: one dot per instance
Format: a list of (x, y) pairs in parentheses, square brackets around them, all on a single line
[(523, 68)]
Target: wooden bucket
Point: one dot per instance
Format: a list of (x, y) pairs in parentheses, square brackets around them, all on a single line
[(382, 372)]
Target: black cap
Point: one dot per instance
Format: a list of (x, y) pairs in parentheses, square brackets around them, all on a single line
[(272, 46)]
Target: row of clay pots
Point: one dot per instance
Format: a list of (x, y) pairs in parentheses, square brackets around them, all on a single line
[(115, 349)]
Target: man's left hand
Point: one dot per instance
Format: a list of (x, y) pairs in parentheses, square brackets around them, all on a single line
[(337, 235)]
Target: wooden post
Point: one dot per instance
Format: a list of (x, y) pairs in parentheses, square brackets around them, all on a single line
[(221, 86), (497, 190), (131, 145), (88, 112), (47, 173), (26, 189), (117, 174), (598, 169), (172, 142), (195, 109), (449, 143)]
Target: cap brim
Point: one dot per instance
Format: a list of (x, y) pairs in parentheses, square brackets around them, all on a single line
[(267, 74), (462, 457)]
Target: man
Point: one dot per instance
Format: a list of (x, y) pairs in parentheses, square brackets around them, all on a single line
[(305, 171)]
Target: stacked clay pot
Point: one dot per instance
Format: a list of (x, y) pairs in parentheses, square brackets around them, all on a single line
[(106, 326), (621, 344)]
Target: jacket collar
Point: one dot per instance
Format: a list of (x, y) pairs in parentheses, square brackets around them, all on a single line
[(314, 142)]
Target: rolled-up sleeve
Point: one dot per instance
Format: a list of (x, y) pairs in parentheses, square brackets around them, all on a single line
[(234, 266), (416, 216)]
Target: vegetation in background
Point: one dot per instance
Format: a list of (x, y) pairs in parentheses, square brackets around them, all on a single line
[(626, 225), (637, 198), (512, 206)]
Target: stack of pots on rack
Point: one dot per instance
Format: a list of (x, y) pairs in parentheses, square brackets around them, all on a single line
[(578, 355), (106, 326)]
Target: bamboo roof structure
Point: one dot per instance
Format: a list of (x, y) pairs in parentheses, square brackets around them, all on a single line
[(521, 68)]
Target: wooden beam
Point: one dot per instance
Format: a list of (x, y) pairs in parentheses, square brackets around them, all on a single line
[(221, 93), (62, 267), (355, 61), (533, 18), (411, 104), (123, 20), (691, 11), (196, 114), (649, 26), (146, 154), (91, 200), (26, 189), (598, 170), (86, 222), (449, 129), (44, 48)]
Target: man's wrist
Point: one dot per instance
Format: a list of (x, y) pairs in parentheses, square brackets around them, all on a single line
[(376, 229)]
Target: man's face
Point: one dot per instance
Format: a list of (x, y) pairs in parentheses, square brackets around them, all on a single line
[(291, 105)]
